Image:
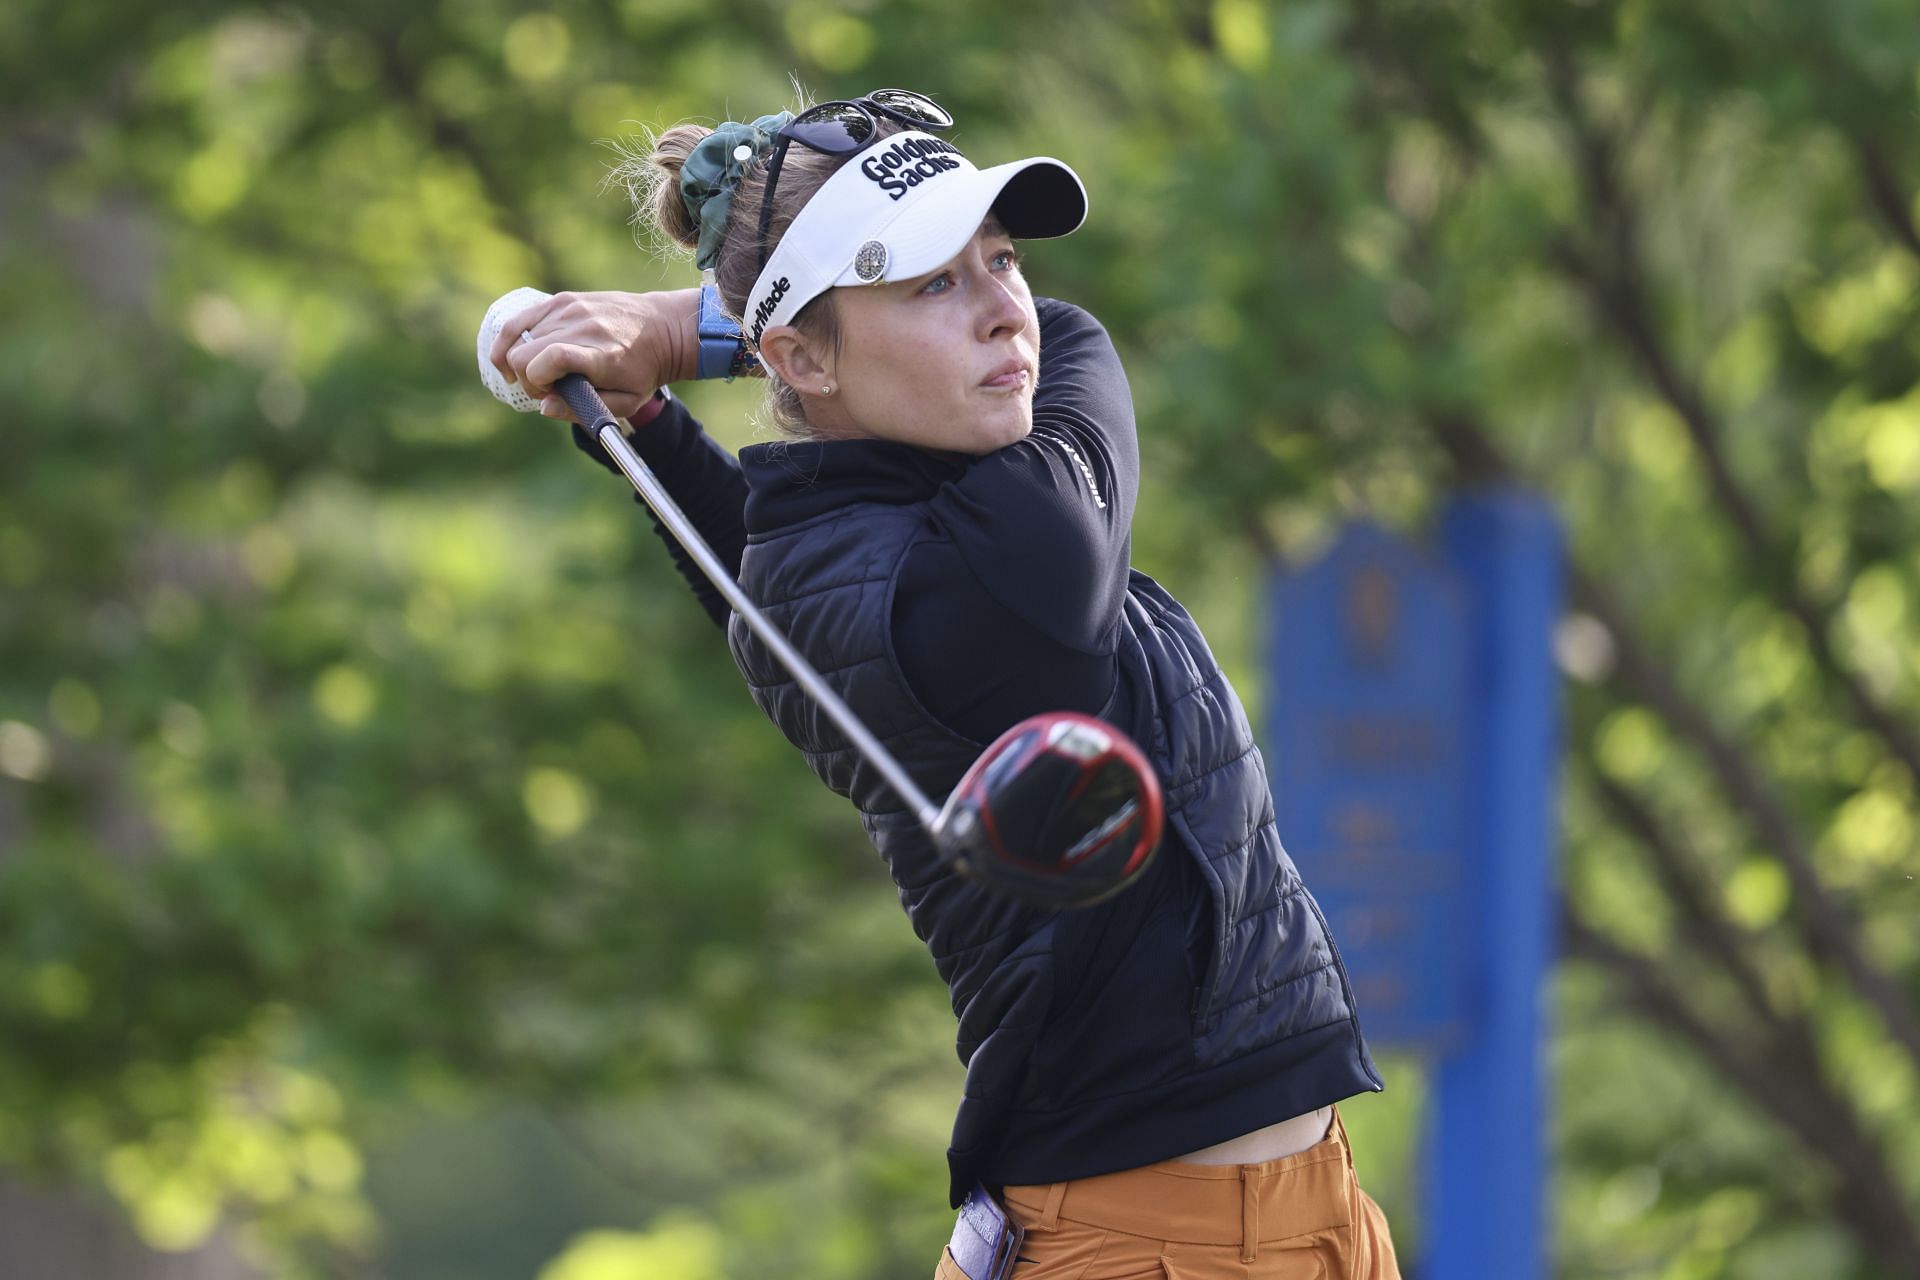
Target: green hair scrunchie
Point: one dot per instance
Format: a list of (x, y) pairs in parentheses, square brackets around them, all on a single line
[(713, 171)]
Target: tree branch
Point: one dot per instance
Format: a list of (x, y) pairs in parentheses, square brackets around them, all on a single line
[(403, 78), (1869, 1197), (1828, 927), (1617, 289), (1708, 925), (1884, 193)]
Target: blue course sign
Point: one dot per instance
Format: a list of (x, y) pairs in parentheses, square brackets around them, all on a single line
[(1367, 752), (1413, 752)]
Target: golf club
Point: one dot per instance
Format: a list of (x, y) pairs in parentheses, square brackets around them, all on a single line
[(1061, 810)]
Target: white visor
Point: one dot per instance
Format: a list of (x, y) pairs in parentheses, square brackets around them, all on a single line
[(899, 209)]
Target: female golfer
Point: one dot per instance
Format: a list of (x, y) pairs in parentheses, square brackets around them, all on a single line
[(945, 534)]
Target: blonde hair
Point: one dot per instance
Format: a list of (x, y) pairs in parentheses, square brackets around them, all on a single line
[(650, 173)]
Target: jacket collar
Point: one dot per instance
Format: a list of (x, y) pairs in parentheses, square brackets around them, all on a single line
[(792, 481)]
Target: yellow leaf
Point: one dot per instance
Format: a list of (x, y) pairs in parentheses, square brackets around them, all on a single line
[(75, 707), (1630, 744), (213, 180), (836, 42), (674, 1250), (1757, 894), (344, 695), (1240, 27), (60, 990), (558, 802), (537, 46)]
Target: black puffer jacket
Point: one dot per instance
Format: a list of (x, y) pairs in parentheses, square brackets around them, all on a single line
[(1206, 1001)]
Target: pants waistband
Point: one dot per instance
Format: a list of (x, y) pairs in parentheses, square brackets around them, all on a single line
[(1243, 1204)]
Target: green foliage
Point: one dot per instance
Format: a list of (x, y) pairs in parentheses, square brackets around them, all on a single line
[(360, 753)]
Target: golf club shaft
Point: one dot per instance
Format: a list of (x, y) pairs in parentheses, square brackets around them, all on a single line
[(589, 409)]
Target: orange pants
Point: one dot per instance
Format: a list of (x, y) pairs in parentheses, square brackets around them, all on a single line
[(1303, 1217)]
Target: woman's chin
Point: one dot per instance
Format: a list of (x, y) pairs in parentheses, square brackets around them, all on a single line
[(1006, 423), (1010, 426)]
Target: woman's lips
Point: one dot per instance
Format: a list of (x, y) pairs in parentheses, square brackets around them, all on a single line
[(1008, 377)]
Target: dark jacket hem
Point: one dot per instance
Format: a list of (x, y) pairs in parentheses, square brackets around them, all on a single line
[(1292, 1077)]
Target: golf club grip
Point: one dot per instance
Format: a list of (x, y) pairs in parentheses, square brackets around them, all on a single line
[(589, 410)]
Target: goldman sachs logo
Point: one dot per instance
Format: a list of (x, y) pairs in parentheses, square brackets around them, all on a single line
[(908, 163)]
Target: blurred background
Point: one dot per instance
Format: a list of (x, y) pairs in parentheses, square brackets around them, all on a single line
[(395, 879)]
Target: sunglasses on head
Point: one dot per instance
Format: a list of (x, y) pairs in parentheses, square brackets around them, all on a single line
[(841, 128)]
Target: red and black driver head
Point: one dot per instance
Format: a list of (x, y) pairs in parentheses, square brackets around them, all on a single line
[(1062, 810)]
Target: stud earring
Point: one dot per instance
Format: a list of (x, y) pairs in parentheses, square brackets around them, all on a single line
[(827, 390)]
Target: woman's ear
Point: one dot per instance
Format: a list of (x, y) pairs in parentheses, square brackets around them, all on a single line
[(787, 353)]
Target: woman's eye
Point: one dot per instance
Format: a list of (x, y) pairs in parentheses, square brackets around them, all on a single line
[(1009, 258), (939, 284)]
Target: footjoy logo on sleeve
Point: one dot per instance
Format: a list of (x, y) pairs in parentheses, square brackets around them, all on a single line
[(764, 312), (909, 163)]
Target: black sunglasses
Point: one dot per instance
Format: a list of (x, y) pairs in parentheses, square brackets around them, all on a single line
[(842, 128)]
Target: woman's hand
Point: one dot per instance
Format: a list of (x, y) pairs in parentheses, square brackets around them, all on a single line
[(627, 345)]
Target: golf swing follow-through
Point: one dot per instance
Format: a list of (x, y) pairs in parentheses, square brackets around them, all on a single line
[(927, 586), (1060, 811)]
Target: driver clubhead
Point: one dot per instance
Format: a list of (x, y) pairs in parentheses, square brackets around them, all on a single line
[(1062, 810)]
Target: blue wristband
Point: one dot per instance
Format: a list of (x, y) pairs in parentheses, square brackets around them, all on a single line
[(723, 353)]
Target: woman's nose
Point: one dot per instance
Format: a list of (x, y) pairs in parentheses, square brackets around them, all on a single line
[(1000, 307)]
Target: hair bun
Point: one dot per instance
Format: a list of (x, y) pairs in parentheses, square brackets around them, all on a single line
[(652, 181), (651, 171), (716, 170)]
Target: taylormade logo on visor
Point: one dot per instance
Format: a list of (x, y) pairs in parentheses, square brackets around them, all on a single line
[(764, 312), (908, 163)]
